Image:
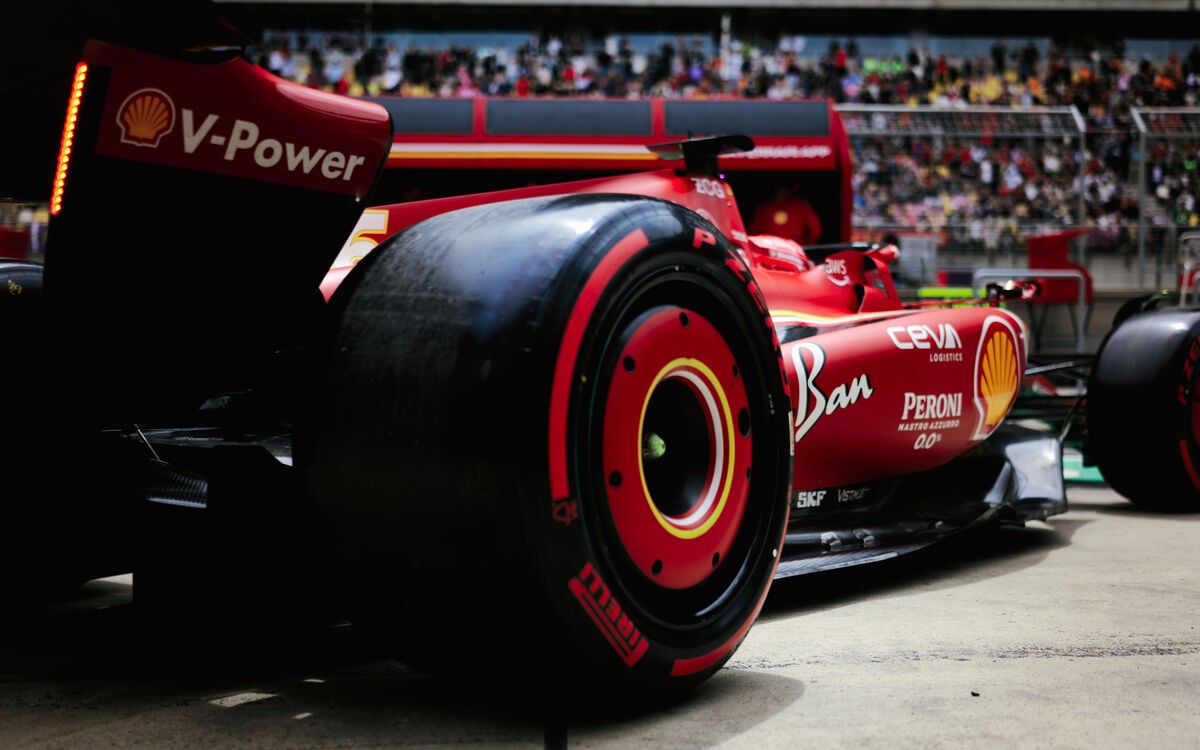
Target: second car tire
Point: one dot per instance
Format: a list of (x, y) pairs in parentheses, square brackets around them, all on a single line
[(1143, 409)]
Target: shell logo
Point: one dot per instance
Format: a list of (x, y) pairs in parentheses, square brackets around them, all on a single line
[(998, 374), (145, 117)]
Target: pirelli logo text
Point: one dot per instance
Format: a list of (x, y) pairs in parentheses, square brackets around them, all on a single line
[(607, 614)]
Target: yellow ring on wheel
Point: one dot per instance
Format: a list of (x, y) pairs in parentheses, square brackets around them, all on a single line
[(719, 487)]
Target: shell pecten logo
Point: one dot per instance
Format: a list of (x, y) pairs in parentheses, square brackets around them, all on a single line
[(998, 374), (145, 117)]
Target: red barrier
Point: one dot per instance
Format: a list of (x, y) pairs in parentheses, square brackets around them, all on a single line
[(14, 243)]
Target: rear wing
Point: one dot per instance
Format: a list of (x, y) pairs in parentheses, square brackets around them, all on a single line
[(198, 203)]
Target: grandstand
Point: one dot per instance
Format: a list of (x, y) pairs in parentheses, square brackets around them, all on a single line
[(979, 140)]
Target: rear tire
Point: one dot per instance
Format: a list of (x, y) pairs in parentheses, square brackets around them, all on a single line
[(1144, 410), (537, 440)]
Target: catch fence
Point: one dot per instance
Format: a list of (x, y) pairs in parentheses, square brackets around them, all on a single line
[(966, 187)]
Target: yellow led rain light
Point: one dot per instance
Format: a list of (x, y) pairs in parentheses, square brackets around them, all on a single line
[(68, 136)]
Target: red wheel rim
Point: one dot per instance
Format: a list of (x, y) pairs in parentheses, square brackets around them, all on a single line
[(677, 446), (1191, 434), (1193, 405)]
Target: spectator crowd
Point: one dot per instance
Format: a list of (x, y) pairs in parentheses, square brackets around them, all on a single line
[(983, 192)]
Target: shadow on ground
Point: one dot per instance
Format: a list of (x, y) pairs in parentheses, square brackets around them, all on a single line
[(78, 669), (955, 561)]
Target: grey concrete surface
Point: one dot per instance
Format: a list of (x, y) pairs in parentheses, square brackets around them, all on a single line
[(1075, 633)]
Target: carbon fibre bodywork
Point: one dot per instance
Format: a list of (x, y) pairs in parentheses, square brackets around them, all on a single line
[(1014, 477)]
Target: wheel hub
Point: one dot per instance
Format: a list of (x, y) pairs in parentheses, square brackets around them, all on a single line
[(677, 446)]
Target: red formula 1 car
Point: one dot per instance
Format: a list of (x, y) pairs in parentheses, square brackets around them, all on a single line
[(570, 429)]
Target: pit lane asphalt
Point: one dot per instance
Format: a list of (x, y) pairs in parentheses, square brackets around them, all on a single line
[(1075, 633)]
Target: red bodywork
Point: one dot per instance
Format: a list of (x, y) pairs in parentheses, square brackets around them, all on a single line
[(925, 384), (178, 114)]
